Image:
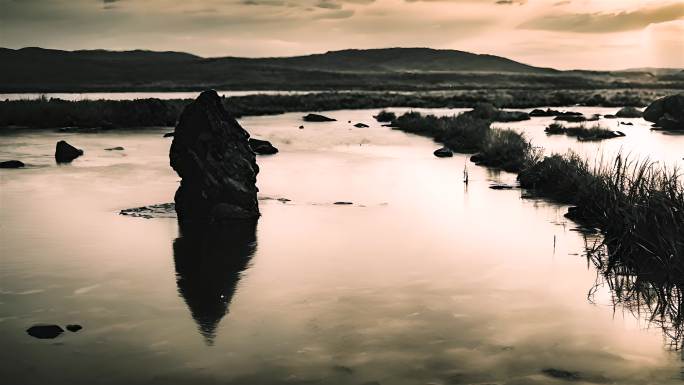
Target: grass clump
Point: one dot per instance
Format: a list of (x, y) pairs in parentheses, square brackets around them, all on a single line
[(385, 116)]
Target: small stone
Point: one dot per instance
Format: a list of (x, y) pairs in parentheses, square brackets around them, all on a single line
[(12, 164), (361, 125), (443, 153), (44, 331), (74, 328), (64, 152), (343, 203), (115, 148)]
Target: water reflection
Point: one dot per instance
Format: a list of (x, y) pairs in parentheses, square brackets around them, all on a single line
[(208, 264), (643, 291)]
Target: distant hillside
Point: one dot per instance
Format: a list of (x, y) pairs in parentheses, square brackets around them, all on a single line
[(43, 70)]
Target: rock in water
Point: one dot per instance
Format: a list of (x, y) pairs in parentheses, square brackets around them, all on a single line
[(443, 153), (317, 118), (12, 164), (44, 331), (628, 112), (211, 154), (262, 147), (64, 152), (667, 112)]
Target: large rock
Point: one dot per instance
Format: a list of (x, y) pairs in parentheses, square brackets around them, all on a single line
[(211, 153), (64, 152), (45, 331), (667, 112)]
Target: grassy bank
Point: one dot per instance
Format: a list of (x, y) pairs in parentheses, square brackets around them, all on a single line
[(637, 206), (52, 113)]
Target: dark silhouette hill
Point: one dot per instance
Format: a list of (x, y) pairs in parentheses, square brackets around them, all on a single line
[(42, 70)]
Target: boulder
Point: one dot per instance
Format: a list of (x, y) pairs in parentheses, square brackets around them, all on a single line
[(45, 331), (628, 112), (667, 112), (361, 125), (262, 147), (64, 152), (210, 152), (443, 153), (318, 118), (12, 164)]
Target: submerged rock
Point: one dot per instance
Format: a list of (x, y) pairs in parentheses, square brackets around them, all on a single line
[(210, 152), (667, 112), (343, 203), (45, 331), (162, 210), (443, 153), (115, 148), (262, 147), (361, 125), (318, 118), (12, 164), (64, 152), (629, 112)]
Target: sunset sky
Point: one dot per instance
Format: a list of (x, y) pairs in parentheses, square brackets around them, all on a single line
[(565, 34)]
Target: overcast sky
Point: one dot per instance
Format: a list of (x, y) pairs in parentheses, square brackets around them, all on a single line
[(565, 34)]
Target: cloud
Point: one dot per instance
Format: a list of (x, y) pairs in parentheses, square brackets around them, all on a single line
[(607, 22)]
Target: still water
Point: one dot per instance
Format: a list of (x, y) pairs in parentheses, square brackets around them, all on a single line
[(421, 281)]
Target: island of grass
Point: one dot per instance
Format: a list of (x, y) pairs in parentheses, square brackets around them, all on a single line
[(582, 132)]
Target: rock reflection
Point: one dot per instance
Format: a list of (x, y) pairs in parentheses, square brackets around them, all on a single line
[(209, 262)]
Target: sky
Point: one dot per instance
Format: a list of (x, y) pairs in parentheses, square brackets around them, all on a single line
[(563, 34)]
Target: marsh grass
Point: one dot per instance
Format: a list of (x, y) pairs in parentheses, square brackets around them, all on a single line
[(637, 205), (582, 132), (498, 148)]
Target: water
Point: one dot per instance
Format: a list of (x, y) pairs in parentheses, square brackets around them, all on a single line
[(421, 280)]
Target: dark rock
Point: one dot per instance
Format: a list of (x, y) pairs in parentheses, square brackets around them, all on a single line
[(12, 164), (609, 116), (627, 123), (169, 134), (74, 328), (667, 112), (343, 203), (443, 153), (262, 147), (64, 152), (301, 127), (628, 112), (361, 125), (115, 149), (318, 118), (44, 331), (210, 152)]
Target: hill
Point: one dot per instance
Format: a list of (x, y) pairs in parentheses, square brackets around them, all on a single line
[(43, 70)]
